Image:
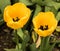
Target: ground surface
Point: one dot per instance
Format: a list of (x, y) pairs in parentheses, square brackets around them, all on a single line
[(6, 38)]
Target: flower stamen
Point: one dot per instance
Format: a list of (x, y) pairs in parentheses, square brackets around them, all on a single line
[(16, 19), (44, 27)]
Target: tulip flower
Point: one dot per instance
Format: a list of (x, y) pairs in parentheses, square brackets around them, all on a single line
[(44, 23), (16, 15)]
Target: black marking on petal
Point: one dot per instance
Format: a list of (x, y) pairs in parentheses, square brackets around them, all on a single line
[(17, 19), (44, 28)]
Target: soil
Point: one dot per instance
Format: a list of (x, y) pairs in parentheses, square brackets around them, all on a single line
[(6, 36)]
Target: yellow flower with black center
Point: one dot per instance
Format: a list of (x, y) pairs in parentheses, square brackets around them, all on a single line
[(17, 15), (44, 23)]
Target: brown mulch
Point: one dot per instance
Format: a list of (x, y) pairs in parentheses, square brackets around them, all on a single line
[(6, 36)]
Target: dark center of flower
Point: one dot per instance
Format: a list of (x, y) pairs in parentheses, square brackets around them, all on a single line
[(44, 27), (16, 19)]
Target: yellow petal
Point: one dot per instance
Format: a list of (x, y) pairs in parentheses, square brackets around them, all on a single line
[(16, 10), (42, 19)]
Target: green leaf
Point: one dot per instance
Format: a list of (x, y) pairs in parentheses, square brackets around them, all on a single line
[(58, 1), (33, 47), (1, 21), (51, 47), (47, 8), (58, 16), (27, 2), (19, 47), (25, 42), (14, 49), (37, 10), (58, 29), (47, 40), (45, 44), (39, 2), (3, 4), (20, 33), (50, 8), (52, 3), (41, 48), (26, 38), (10, 49)]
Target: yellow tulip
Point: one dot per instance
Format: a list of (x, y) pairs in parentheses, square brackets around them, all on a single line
[(44, 23), (16, 15)]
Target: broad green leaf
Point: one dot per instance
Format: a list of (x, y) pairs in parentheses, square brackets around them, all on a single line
[(26, 38), (41, 48), (52, 3), (14, 49), (1, 21), (38, 9), (50, 8), (47, 8), (3, 4), (19, 47), (25, 42), (20, 33), (33, 47), (51, 47), (45, 44), (58, 1), (58, 16), (10, 49), (27, 2), (39, 2)]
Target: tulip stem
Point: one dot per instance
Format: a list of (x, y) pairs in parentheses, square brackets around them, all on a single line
[(16, 39)]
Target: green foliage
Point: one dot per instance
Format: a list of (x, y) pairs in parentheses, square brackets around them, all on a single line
[(3, 4), (15, 49), (58, 16), (20, 33), (33, 47), (37, 10), (52, 3), (27, 2), (45, 44), (36, 6), (25, 42), (37, 1), (50, 8)]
